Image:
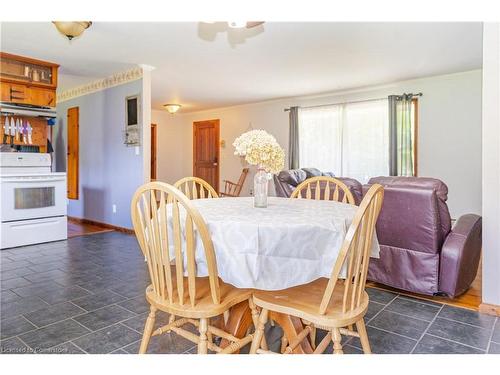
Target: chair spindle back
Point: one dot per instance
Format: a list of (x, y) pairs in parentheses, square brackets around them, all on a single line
[(196, 188), (156, 237), (324, 188), (355, 252)]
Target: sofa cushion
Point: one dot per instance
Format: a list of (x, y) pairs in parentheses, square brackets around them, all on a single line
[(312, 172), (422, 182), (425, 183), (409, 219), (328, 174), (355, 187), (292, 177)]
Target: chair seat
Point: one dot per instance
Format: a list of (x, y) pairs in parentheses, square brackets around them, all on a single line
[(303, 301), (204, 306)]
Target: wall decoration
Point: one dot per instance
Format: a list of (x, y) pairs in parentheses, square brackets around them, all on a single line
[(101, 84)]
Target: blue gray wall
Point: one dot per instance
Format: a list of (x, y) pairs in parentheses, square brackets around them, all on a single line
[(110, 171)]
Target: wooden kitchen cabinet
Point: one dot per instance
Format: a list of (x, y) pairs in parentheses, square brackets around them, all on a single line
[(14, 93), (23, 94), (4, 92), (28, 71), (42, 97), (28, 81), (19, 94)]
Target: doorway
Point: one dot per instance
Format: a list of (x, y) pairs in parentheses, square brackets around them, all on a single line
[(153, 152), (206, 151)]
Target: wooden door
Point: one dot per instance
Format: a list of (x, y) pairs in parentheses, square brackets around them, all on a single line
[(153, 152), (73, 152), (206, 151)]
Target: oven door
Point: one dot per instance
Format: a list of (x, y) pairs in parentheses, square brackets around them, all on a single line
[(33, 197)]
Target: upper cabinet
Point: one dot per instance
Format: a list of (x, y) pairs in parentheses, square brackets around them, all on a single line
[(24, 70), (27, 81)]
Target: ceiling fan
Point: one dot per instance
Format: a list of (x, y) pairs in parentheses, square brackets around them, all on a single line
[(239, 24), (244, 24)]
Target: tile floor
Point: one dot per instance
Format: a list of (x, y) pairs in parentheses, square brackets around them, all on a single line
[(86, 295)]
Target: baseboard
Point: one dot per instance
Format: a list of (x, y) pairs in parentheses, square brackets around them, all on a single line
[(486, 308), (98, 223)]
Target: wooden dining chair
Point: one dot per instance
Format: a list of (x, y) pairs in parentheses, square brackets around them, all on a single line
[(196, 188), (232, 189), (333, 189), (175, 287), (333, 304)]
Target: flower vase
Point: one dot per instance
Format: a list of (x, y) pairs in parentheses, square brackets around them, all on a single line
[(260, 188)]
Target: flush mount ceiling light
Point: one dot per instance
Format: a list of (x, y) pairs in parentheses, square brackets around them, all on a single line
[(172, 108), (72, 29)]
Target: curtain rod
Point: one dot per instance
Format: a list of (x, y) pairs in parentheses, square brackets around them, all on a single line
[(351, 102)]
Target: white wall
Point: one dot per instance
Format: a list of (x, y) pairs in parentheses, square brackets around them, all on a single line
[(449, 137), (491, 164)]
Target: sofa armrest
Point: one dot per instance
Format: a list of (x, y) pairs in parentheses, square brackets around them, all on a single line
[(460, 255)]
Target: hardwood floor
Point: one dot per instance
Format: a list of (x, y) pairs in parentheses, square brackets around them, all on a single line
[(469, 300), (76, 228)]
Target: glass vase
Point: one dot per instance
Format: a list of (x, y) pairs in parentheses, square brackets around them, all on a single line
[(260, 187)]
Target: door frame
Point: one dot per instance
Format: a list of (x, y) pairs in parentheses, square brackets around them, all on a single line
[(154, 153), (217, 148), (77, 151)]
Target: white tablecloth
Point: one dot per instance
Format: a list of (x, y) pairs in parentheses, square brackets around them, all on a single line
[(289, 243)]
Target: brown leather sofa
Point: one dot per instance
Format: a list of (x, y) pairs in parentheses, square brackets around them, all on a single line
[(420, 251)]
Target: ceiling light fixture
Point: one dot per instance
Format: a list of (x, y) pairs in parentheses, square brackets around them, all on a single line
[(72, 29), (172, 108), (237, 24), (244, 24)]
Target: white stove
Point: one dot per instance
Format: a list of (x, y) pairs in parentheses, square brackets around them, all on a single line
[(33, 200)]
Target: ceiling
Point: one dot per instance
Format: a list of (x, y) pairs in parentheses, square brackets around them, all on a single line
[(208, 65)]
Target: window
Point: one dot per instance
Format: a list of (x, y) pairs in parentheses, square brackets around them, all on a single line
[(350, 140)]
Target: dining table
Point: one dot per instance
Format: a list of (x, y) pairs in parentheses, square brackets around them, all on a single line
[(290, 242)]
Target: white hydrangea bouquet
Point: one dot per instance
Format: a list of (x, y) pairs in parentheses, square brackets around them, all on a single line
[(260, 148)]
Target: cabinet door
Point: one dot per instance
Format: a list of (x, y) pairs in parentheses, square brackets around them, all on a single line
[(5, 92), (19, 94), (42, 97)]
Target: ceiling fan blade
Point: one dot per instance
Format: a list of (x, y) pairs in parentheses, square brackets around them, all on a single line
[(251, 24)]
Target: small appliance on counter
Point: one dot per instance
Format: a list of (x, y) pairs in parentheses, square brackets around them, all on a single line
[(33, 200)]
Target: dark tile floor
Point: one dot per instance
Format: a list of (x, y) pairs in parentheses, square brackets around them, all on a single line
[(86, 295)]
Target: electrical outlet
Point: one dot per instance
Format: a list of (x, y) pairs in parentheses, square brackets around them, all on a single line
[(114, 208), (251, 192)]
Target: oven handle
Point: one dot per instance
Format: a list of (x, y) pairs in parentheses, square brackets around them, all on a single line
[(33, 180)]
